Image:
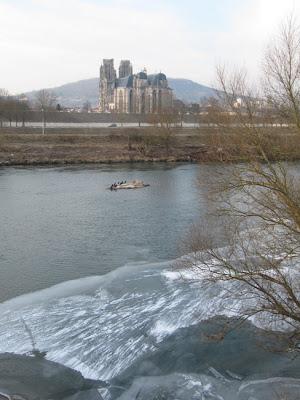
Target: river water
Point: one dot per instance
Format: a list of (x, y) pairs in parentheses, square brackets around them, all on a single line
[(60, 224), (91, 273)]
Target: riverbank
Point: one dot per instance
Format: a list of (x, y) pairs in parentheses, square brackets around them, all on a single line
[(28, 146)]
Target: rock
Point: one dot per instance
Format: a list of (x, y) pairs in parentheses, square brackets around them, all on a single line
[(244, 352), (198, 386), (178, 387), (92, 394), (270, 389), (35, 378)]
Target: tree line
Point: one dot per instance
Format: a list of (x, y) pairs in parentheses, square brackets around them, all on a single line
[(14, 109)]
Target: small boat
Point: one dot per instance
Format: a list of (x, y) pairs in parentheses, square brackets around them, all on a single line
[(135, 184)]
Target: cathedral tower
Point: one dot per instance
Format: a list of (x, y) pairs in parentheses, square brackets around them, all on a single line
[(107, 84), (125, 68)]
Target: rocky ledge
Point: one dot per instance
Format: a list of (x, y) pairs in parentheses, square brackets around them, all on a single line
[(35, 378)]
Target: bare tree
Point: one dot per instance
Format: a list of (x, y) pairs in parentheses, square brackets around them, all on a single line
[(4, 96), (164, 122), (45, 101), (258, 202), (282, 72), (4, 92), (86, 107), (12, 108)]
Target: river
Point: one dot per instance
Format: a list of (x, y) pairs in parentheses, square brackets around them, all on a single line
[(60, 224), (91, 273)]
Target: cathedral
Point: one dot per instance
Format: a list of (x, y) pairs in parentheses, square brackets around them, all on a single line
[(132, 93)]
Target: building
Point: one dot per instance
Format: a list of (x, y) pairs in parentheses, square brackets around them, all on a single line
[(125, 68), (107, 84), (132, 93)]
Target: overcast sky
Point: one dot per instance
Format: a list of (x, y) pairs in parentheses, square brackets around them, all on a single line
[(46, 43)]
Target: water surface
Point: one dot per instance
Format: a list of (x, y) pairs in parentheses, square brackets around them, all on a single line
[(59, 224), (90, 273)]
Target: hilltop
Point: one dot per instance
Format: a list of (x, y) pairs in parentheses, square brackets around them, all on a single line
[(74, 94)]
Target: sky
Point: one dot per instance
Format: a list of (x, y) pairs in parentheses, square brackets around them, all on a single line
[(47, 43)]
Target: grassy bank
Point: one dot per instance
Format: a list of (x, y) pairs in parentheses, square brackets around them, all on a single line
[(27, 146)]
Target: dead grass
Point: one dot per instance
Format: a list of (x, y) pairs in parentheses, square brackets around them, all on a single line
[(29, 146)]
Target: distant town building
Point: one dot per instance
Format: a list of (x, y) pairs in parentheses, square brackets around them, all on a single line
[(132, 93)]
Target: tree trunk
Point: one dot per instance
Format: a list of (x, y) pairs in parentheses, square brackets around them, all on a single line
[(44, 122)]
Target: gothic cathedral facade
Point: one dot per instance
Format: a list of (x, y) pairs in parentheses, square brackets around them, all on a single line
[(132, 93)]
